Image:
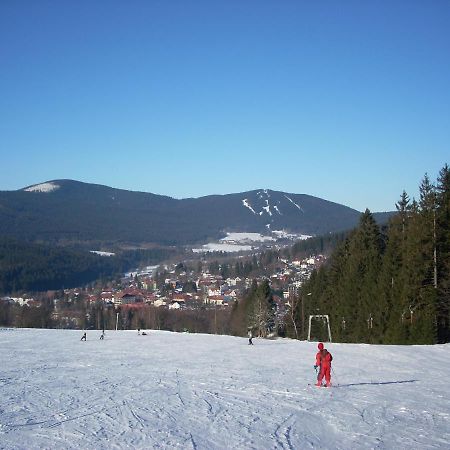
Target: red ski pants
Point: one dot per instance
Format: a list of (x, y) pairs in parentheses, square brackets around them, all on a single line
[(325, 371)]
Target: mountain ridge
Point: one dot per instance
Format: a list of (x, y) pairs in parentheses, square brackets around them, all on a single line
[(70, 210)]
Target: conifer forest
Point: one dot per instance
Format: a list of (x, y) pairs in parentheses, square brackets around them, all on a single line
[(389, 285)]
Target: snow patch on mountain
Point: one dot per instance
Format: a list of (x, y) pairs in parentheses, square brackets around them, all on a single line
[(43, 187), (247, 205), (235, 242), (100, 253), (238, 242), (277, 210), (246, 237), (267, 208), (222, 247), (281, 234), (295, 204), (264, 194), (267, 205)]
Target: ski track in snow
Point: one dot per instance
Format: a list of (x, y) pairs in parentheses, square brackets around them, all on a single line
[(169, 390)]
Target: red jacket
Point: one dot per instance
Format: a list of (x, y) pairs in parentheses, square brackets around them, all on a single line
[(323, 358)]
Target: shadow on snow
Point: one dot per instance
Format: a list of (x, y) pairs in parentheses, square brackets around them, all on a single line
[(376, 383)]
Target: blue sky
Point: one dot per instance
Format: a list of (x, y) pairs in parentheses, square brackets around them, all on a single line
[(344, 100)]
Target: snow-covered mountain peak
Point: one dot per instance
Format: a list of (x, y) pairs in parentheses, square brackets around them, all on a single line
[(43, 187)]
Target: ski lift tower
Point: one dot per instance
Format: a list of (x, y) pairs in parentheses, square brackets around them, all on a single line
[(324, 318)]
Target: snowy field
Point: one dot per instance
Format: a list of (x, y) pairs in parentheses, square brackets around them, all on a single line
[(169, 390), (239, 242)]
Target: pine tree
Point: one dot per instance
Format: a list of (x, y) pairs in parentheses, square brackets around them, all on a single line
[(365, 250), (392, 280), (336, 298), (419, 291), (347, 288), (443, 254)]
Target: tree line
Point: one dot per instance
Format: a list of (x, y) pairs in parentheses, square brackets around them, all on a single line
[(40, 267), (389, 285)]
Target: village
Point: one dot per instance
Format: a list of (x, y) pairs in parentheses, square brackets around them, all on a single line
[(157, 291)]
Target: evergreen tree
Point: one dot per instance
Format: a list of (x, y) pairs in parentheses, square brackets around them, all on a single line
[(443, 254), (347, 288), (340, 292), (364, 262), (392, 280), (423, 299)]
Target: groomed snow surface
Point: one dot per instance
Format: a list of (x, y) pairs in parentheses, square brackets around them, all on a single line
[(169, 390)]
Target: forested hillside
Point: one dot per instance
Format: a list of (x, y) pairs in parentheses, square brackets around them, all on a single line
[(39, 267), (393, 286), (71, 212)]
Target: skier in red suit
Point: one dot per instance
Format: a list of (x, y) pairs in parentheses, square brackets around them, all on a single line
[(323, 361)]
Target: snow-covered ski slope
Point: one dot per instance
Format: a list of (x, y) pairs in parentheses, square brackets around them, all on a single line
[(169, 390)]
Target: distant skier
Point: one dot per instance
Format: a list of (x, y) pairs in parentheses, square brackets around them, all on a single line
[(102, 336), (323, 361), (250, 337), (83, 338)]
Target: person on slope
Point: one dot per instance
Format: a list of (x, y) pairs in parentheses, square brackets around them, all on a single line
[(250, 336), (323, 361)]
